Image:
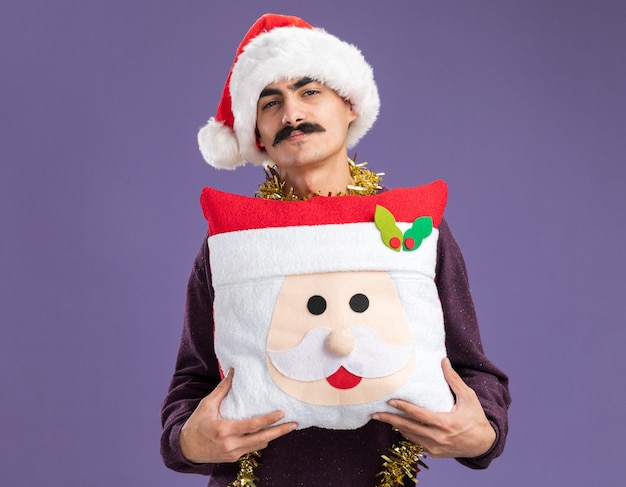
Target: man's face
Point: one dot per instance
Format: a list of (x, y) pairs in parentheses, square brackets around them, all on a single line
[(301, 121), (339, 338)]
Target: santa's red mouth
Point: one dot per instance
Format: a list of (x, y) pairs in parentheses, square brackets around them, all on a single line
[(342, 379)]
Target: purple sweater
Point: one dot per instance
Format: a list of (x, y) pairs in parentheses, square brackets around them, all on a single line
[(315, 456)]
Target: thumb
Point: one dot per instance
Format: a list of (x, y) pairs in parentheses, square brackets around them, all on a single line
[(214, 399), (453, 379)]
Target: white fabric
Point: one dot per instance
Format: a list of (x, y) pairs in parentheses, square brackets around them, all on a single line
[(251, 255), (248, 271)]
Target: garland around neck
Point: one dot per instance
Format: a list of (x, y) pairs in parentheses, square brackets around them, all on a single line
[(404, 459), (366, 183)]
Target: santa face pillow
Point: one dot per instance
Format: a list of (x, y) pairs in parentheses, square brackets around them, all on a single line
[(327, 308)]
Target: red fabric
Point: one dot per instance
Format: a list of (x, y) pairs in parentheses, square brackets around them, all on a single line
[(264, 24), (228, 212)]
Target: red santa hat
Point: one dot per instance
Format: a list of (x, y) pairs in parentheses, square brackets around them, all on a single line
[(277, 48)]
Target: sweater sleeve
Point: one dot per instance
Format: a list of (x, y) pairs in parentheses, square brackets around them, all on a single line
[(197, 371), (464, 346)]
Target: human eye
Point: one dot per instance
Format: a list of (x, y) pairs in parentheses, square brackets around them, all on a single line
[(310, 92), (268, 104)]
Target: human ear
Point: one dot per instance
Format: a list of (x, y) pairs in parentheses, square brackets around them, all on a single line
[(259, 144), (353, 115)]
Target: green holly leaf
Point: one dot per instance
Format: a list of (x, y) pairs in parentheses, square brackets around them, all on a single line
[(422, 227), (389, 231)]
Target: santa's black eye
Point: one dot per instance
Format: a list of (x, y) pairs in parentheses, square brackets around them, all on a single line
[(316, 305), (359, 303)]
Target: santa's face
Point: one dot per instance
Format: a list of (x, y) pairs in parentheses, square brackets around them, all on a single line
[(339, 338)]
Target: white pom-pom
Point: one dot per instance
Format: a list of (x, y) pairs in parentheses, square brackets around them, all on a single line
[(219, 146)]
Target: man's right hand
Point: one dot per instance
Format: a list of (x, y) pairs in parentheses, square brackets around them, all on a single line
[(206, 437)]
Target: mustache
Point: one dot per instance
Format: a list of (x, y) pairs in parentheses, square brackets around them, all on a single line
[(305, 127), (371, 357)]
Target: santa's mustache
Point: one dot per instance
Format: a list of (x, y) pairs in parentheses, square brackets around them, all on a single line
[(305, 127), (371, 357)]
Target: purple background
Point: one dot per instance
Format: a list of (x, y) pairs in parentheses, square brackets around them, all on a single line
[(519, 105)]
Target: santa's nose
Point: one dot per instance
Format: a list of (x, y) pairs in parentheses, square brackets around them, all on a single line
[(340, 342)]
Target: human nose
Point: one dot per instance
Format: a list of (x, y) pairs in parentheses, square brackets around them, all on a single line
[(340, 342), (293, 112)]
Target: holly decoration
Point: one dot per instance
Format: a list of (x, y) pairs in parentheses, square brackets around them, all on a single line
[(393, 237)]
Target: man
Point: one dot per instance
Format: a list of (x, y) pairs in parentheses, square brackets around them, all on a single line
[(298, 98)]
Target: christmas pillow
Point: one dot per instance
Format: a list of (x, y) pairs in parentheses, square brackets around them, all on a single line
[(327, 308)]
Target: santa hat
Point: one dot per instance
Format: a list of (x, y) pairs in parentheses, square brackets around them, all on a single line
[(277, 48)]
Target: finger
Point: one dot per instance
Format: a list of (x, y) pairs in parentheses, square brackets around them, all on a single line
[(260, 439), (395, 420), (418, 414), (212, 401), (258, 423), (454, 380), (225, 384), (411, 430), (277, 431)]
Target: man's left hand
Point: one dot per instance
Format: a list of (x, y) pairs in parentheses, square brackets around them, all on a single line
[(464, 432)]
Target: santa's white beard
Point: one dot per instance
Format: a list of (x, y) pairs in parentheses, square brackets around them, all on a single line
[(371, 356)]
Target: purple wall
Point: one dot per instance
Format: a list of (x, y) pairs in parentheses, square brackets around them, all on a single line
[(519, 105)]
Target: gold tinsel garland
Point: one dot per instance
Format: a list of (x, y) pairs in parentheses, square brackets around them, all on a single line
[(404, 458), (404, 462), (246, 477), (366, 183)]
